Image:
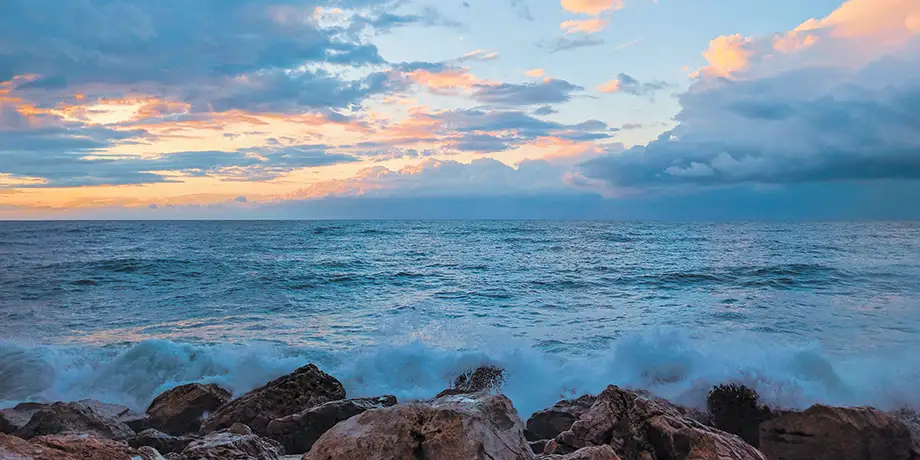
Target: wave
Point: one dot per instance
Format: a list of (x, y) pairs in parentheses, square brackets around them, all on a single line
[(667, 363)]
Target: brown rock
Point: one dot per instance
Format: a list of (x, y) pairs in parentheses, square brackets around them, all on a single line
[(298, 432), (737, 409), (638, 427), (304, 388), (87, 416), (160, 441), (236, 443), (588, 453), (87, 447), (12, 447), (149, 453), (485, 378), (825, 433), (548, 423), (180, 410), (470, 427), (14, 418)]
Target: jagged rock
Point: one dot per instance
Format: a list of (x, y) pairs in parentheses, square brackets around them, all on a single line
[(548, 423), (87, 447), (149, 453), (180, 410), (588, 453), (737, 409), (101, 419), (14, 418), (162, 442), (236, 443), (825, 433), (485, 378), (304, 388), (14, 448), (298, 432), (638, 427), (479, 426), (537, 447)]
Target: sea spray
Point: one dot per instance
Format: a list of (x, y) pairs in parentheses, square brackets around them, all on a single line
[(667, 363)]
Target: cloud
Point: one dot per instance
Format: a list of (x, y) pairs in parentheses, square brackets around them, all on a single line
[(566, 44), (592, 7), (522, 9), (535, 73), (629, 85), (585, 26), (545, 110), (547, 91), (479, 55)]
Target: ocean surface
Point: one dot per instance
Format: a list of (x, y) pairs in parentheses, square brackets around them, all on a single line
[(804, 312)]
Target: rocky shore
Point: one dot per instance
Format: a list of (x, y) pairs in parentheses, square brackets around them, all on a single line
[(306, 415)]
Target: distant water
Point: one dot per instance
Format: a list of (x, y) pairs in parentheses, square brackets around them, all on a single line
[(805, 312)]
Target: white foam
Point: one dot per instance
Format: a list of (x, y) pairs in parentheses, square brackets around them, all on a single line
[(667, 363)]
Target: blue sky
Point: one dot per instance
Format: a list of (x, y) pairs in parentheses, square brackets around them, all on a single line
[(608, 109)]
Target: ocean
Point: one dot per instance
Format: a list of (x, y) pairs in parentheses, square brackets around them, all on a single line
[(802, 312)]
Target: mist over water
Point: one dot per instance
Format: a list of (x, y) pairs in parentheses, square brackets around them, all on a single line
[(119, 311)]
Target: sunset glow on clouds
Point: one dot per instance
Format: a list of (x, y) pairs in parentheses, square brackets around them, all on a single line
[(232, 109)]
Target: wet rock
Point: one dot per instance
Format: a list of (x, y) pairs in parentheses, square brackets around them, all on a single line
[(479, 426), (88, 447), (548, 423), (14, 418), (12, 447), (304, 388), (638, 427), (235, 443), (825, 433), (101, 419), (737, 409), (298, 432), (181, 409), (588, 453), (485, 378), (162, 442)]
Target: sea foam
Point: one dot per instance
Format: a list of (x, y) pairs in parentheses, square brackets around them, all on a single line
[(666, 363)]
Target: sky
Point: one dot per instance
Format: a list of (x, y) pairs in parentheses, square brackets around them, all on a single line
[(569, 109)]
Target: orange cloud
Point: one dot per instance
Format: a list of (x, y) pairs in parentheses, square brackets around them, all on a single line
[(448, 79), (726, 55), (586, 26), (612, 86), (535, 73), (592, 7)]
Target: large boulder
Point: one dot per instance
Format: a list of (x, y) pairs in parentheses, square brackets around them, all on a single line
[(485, 378), (304, 388), (101, 419), (179, 411), (14, 418), (549, 423), (162, 442), (12, 447), (639, 427), (298, 432), (471, 427), (825, 433), (588, 453), (235, 443)]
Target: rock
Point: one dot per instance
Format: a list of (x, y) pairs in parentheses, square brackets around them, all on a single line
[(15, 448), (237, 443), (479, 426), (537, 447), (588, 453), (181, 409), (149, 453), (298, 432), (87, 447), (304, 388), (638, 427), (485, 378), (93, 417), (824, 433), (737, 409), (160, 441), (14, 418), (548, 423)]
